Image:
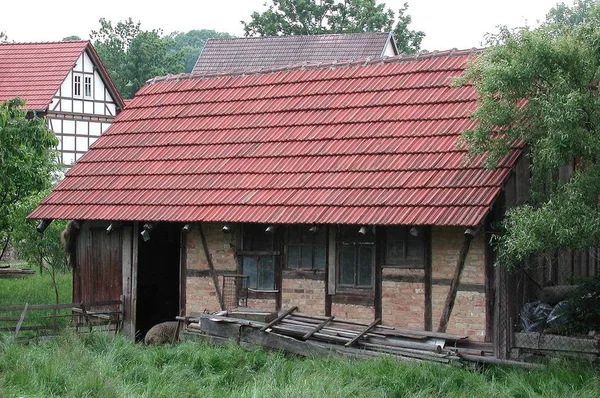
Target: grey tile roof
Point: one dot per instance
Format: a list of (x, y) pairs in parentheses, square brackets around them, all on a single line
[(240, 54)]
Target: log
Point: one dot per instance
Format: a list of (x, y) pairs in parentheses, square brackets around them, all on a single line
[(497, 361), (460, 265)]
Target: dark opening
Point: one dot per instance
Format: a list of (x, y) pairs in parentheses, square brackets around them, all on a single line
[(158, 277)]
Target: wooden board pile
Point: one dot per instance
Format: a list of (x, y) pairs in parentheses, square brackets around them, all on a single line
[(303, 334)]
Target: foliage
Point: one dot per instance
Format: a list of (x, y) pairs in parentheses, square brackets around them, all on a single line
[(71, 38), (100, 365), (191, 44), (132, 56), (583, 307), (27, 159), (310, 17), (540, 88), (3, 37), (562, 15)]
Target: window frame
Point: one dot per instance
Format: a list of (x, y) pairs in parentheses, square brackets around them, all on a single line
[(424, 237), (91, 85), (357, 242), (312, 245), (251, 252), (77, 85)]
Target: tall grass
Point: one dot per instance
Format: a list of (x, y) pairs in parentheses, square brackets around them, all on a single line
[(101, 365), (35, 289)]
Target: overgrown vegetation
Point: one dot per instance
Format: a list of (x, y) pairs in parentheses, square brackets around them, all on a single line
[(540, 87), (101, 365)]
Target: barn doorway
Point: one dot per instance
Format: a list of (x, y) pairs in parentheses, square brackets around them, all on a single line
[(158, 276)]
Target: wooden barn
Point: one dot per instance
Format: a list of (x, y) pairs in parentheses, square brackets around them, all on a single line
[(336, 188), (65, 82)]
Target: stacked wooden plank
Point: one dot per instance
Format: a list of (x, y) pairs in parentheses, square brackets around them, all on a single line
[(309, 335)]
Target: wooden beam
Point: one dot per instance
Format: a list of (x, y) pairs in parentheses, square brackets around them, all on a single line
[(460, 265), (211, 266), (427, 285), (365, 331), (319, 327), (331, 262), (279, 318)]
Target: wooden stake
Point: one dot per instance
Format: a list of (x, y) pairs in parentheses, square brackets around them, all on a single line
[(213, 272), (23, 315), (460, 265)]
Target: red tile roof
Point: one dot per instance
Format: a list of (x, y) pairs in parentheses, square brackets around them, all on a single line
[(249, 53), (364, 143), (35, 71)]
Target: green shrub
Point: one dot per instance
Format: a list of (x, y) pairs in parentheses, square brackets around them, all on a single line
[(583, 307)]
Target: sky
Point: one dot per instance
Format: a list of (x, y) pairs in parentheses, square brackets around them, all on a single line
[(447, 24)]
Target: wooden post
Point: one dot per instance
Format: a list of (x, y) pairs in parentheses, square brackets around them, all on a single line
[(279, 318), (86, 315), (427, 285), (211, 266), (460, 265), (21, 319)]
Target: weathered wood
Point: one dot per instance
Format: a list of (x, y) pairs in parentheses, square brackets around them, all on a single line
[(211, 266), (365, 331), (498, 361), (427, 347), (127, 261), (21, 319), (488, 261), (551, 342), (34, 307), (427, 285), (85, 315), (317, 328), (279, 318), (331, 262), (220, 318), (411, 353), (554, 294), (451, 298)]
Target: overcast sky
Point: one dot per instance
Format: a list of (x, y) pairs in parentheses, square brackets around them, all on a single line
[(447, 23)]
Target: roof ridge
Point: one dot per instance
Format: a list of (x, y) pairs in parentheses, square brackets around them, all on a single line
[(320, 65), (289, 37), (44, 42)]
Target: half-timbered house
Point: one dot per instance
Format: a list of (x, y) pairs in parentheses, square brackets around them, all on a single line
[(338, 188), (65, 82)]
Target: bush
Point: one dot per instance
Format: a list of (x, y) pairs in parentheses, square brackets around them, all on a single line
[(583, 307)]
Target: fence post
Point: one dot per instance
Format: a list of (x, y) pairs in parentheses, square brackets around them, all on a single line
[(23, 316)]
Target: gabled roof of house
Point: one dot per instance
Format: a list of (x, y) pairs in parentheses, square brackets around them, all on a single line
[(35, 71), (238, 54), (364, 143)]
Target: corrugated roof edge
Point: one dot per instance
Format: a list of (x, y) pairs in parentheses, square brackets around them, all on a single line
[(319, 65)]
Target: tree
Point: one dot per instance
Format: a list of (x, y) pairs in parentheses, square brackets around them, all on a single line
[(27, 160), (71, 38), (562, 15), (191, 44), (44, 251), (540, 87), (3, 37), (132, 56), (310, 17)]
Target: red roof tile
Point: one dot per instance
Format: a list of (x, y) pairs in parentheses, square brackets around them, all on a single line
[(364, 143), (35, 71), (248, 53)]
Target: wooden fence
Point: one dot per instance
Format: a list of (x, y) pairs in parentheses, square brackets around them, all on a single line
[(42, 320)]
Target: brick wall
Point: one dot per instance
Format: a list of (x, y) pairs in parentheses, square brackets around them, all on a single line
[(468, 315), (356, 313), (307, 294), (200, 290), (402, 302)]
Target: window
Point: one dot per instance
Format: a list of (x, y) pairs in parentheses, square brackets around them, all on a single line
[(258, 257), (87, 86), (82, 85), (405, 247), (77, 84), (306, 247), (357, 258)]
